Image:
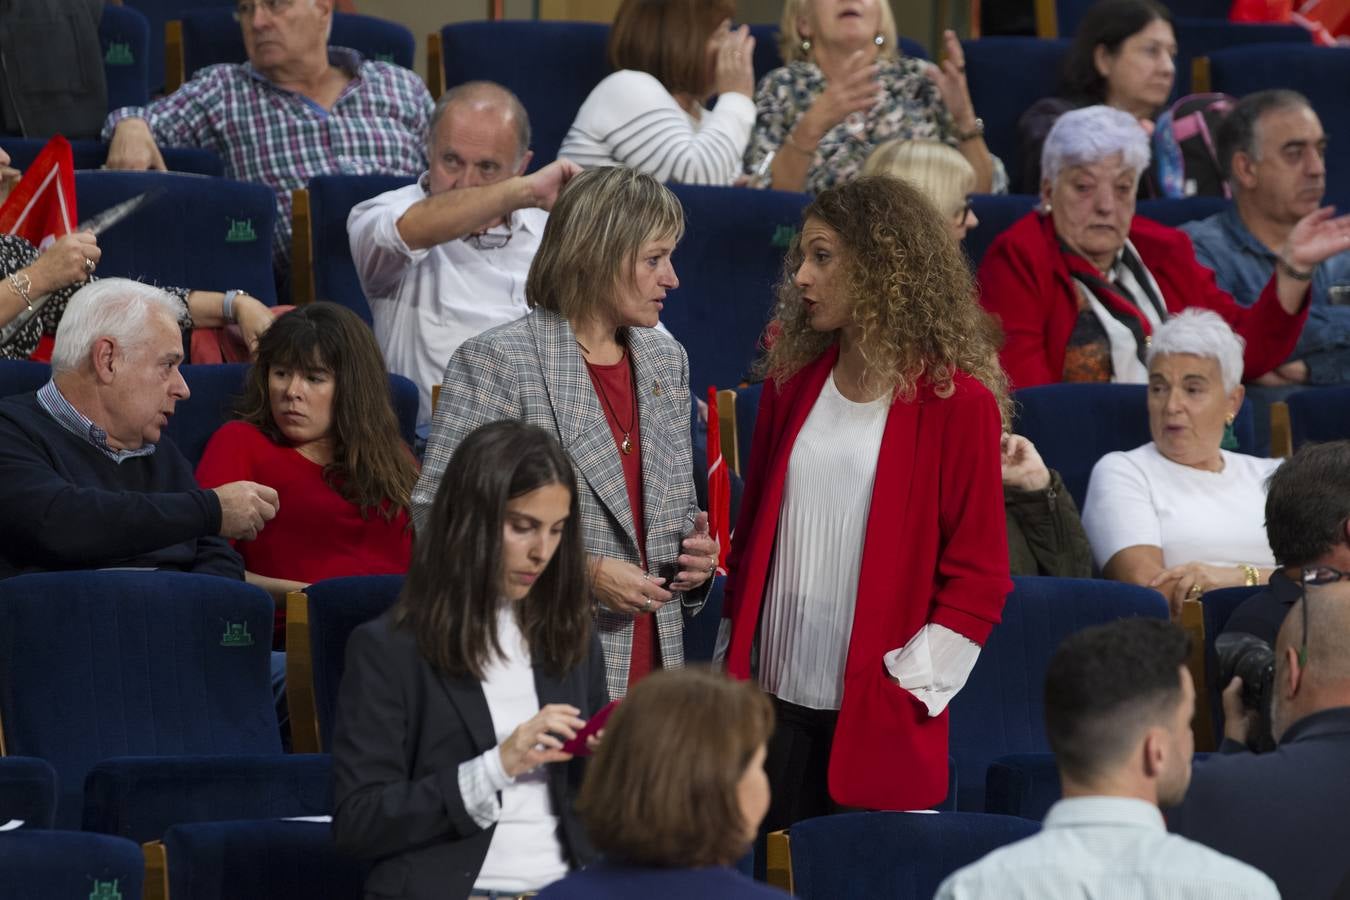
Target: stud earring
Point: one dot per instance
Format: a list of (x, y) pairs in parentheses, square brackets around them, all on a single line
[(879, 40), (806, 45)]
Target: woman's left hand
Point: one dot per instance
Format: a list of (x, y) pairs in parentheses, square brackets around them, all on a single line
[(699, 559), (1191, 580), (950, 78), (1317, 236), (253, 318)]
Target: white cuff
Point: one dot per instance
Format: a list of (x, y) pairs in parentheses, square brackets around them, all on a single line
[(934, 665), (480, 779)]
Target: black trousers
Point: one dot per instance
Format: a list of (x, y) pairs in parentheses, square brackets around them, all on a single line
[(798, 764)]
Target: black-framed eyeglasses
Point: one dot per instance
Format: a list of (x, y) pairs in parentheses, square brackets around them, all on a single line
[(1315, 576), (243, 10), (488, 240)]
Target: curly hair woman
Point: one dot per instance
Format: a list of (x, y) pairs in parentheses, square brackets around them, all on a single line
[(870, 559)]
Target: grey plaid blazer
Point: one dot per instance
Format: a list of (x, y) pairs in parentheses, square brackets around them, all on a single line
[(532, 370)]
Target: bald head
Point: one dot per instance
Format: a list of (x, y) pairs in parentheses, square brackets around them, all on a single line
[(1328, 638), (490, 101)]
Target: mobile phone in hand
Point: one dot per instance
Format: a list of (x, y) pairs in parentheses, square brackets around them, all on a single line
[(577, 745)]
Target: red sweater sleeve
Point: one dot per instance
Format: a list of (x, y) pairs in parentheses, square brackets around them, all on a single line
[(1017, 289)]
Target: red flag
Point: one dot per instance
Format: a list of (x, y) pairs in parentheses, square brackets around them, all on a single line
[(719, 486), (42, 204)]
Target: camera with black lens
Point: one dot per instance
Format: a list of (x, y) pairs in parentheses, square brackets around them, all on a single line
[(1248, 657)]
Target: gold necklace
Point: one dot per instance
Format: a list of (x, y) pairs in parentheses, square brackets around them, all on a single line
[(627, 445)]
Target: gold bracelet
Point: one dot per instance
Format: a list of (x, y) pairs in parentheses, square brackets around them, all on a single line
[(1250, 574), (21, 284)]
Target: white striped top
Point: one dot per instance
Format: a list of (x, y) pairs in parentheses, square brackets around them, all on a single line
[(630, 119), (813, 581)]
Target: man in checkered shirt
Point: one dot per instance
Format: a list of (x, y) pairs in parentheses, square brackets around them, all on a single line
[(298, 108)]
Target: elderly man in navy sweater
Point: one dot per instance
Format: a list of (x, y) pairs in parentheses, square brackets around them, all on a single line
[(85, 480)]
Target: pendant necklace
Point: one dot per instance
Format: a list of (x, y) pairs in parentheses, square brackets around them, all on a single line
[(627, 444)]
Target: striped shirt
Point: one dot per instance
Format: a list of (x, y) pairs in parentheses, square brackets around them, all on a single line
[(282, 139), (51, 399), (630, 119), (1107, 848)]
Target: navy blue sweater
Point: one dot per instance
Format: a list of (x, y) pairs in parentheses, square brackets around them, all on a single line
[(65, 505)]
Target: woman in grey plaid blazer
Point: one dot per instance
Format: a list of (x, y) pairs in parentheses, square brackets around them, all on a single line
[(587, 365)]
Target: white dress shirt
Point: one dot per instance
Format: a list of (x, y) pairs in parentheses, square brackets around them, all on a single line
[(425, 303), (1106, 848)]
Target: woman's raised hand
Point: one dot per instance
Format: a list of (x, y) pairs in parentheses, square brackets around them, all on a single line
[(735, 71), (69, 260), (855, 90), (950, 79), (539, 739), (624, 588)]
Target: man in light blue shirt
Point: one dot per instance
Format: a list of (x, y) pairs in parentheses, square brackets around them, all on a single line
[(1273, 151), (1118, 706)]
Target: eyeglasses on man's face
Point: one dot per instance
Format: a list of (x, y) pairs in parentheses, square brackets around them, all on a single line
[(244, 9)]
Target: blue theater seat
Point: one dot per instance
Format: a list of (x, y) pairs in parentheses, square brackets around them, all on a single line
[(550, 66), (1180, 210), (1001, 710), (260, 860), (1217, 608), (124, 37), (93, 154), (61, 865), (1006, 75), (331, 198), (27, 791), (897, 855), (96, 665), (1022, 784), (996, 213), (1201, 37), (20, 376), (159, 13), (1319, 414)]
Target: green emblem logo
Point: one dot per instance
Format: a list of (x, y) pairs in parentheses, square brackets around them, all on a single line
[(119, 55), (384, 57), (236, 635), (241, 232), (782, 236), (105, 890)]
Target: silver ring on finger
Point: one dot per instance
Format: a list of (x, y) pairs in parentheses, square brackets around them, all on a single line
[(89, 265), (647, 607)]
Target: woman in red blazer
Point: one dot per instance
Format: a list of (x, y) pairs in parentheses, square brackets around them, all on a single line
[(1080, 284), (870, 559)]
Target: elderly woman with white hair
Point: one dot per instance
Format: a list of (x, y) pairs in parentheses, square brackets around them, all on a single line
[(1082, 283), (1182, 513)]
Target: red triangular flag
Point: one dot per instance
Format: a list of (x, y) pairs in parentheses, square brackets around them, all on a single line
[(719, 486), (42, 204)]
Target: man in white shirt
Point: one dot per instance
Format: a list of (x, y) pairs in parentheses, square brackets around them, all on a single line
[(1118, 708), (446, 258)]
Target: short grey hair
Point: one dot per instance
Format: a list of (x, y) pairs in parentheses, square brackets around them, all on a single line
[(1085, 136), (116, 308), (1239, 132), (484, 94), (1200, 332)]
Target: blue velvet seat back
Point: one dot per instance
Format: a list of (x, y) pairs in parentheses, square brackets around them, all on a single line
[(61, 865), (20, 376), (767, 58), (337, 607), (1103, 418), (27, 791), (212, 36), (140, 797), (159, 12), (1022, 784), (1001, 708), (728, 263), (550, 66), (124, 37), (747, 414), (996, 212), (267, 859), (897, 855), (1201, 37), (206, 233), (331, 198), (214, 390), (700, 632), (1319, 73), (1006, 75), (93, 154), (1320, 414), (1218, 607), (1180, 210), (102, 664)]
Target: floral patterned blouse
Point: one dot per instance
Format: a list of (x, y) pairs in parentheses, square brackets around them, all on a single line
[(915, 110), (17, 253)]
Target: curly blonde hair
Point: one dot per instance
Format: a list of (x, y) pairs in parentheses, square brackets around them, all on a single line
[(912, 296)]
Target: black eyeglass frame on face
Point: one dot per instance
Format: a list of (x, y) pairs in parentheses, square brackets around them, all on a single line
[(244, 9), (1315, 576)]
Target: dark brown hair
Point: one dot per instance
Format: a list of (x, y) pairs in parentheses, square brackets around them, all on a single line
[(1108, 24), (661, 790), (453, 591), (668, 39), (372, 467)]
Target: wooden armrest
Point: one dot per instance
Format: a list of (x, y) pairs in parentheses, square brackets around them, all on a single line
[(778, 861), (300, 676)]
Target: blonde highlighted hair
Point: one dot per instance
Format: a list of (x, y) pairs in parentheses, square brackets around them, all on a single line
[(594, 234), (790, 39), (910, 291), (939, 170)]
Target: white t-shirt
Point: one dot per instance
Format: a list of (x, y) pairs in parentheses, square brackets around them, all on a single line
[(630, 119), (425, 303), (1141, 497)]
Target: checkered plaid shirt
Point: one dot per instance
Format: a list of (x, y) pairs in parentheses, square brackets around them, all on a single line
[(279, 138)]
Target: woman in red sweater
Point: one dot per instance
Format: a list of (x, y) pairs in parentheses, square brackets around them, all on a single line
[(317, 426), (870, 559)]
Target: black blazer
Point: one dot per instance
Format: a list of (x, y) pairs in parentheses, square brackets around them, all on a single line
[(402, 729)]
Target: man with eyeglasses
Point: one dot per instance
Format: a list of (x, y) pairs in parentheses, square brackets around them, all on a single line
[(1288, 812), (298, 108), (445, 259)]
